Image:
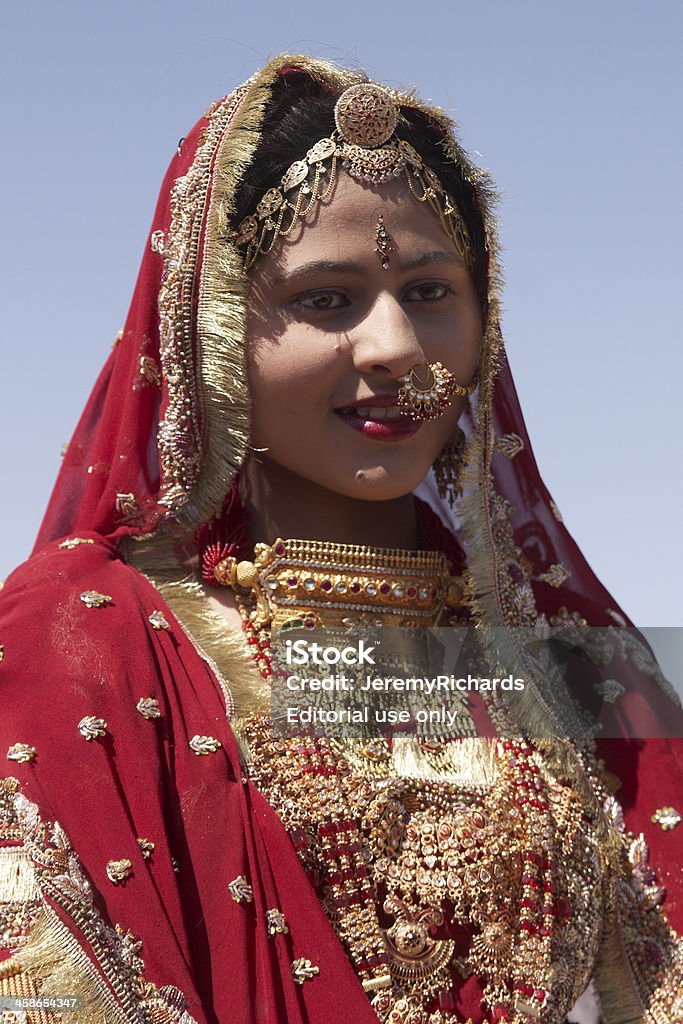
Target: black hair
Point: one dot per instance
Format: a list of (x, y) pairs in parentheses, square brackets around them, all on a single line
[(301, 111)]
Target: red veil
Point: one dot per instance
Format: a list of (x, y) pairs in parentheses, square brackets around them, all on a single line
[(114, 703)]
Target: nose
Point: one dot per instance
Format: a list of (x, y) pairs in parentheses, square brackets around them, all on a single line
[(385, 341)]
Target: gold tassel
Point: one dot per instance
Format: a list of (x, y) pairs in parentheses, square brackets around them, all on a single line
[(54, 957), (614, 982), (17, 876)]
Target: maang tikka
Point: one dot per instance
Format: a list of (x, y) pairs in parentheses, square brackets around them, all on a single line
[(364, 141), (383, 242)]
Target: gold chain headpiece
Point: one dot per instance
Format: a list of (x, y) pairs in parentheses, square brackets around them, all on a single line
[(363, 140)]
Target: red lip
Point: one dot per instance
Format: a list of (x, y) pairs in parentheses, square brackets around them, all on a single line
[(390, 431)]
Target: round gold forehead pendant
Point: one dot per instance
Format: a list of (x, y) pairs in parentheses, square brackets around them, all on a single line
[(365, 115)]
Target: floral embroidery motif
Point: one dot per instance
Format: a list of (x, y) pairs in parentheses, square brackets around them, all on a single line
[(73, 542), (609, 689), (509, 445), (157, 242), (643, 880), (93, 599), (303, 970), (204, 745), (277, 925), (666, 817), (91, 727), (149, 371), (240, 890), (146, 848), (127, 508), (119, 871), (158, 620), (21, 753), (555, 575), (148, 707)]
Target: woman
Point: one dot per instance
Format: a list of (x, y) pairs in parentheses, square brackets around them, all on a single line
[(313, 330)]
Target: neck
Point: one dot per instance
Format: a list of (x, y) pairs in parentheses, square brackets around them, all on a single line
[(281, 504)]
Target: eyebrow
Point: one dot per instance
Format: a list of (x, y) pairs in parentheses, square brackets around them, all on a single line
[(349, 267)]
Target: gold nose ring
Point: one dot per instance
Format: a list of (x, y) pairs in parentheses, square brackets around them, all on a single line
[(428, 399)]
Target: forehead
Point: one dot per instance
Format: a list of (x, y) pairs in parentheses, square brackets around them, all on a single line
[(345, 227)]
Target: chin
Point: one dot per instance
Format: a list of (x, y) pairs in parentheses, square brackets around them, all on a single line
[(380, 485)]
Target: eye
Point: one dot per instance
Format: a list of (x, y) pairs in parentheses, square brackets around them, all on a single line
[(322, 300), (428, 291)]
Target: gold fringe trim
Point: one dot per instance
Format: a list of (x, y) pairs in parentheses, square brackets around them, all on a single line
[(614, 982), (223, 285), (54, 956), (218, 644), (469, 762), (17, 876)]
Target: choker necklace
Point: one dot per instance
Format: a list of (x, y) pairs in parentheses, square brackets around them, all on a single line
[(301, 584)]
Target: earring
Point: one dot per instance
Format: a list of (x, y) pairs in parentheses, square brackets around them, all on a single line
[(448, 467), (428, 400)]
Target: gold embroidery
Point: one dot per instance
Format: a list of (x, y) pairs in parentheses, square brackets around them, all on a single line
[(204, 745), (509, 445), (127, 508), (609, 689), (555, 575), (149, 371), (666, 817), (47, 956), (276, 922), (73, 542), (240, 890), (146, 848), (91, 727), (158, 620), (303, 970), (93, 599), (21, 752), (119, 871), (148, 707), (156, 242)]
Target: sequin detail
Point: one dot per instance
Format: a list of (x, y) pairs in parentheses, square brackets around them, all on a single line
[(303, 970), (666, 817), (146, 848), (74, 542), (158, 620), (91, 727), (119, 871), (21, 753), (204, 745), (148, 707), (93, 599), (277, 925), (240, 890)]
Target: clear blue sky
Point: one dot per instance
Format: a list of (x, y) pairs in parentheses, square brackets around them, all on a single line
[(574, 107)]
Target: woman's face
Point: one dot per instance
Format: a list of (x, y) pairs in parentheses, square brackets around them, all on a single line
[(330, 331)]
